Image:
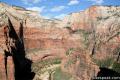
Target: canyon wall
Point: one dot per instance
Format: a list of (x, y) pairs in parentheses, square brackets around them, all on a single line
[(79, 41)]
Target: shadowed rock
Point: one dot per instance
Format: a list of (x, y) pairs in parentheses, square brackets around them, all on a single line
[(22, 65)]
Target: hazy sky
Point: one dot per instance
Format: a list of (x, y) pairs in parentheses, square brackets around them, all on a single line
[(59, 8)]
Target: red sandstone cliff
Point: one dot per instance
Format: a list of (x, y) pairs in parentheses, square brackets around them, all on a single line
[(91, 34)]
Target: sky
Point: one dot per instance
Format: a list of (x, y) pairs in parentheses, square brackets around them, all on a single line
[(59, 8)]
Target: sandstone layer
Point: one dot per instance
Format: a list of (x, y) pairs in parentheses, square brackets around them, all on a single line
[(73, 46)]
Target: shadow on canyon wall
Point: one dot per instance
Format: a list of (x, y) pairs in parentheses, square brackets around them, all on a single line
[(22, 65)]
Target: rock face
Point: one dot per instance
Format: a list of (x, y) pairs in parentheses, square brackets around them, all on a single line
[(80, 65), (102, 23), (67, 47)]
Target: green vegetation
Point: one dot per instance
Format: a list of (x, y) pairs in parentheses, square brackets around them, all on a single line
[(69, 51), (33, 50), (57, 61), (109, 63), (104, 63), (18, 7), (103, 18), (60, 75), (85, 35), (116, 67), (82, 31), (70, 62)]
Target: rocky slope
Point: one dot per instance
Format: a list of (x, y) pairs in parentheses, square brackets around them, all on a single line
[(103, 24), (73, 48)]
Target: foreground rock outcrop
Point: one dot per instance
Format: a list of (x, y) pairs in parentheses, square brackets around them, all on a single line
[(72, 49)]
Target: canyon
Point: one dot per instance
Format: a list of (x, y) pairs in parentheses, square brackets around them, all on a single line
[(74, 48)]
